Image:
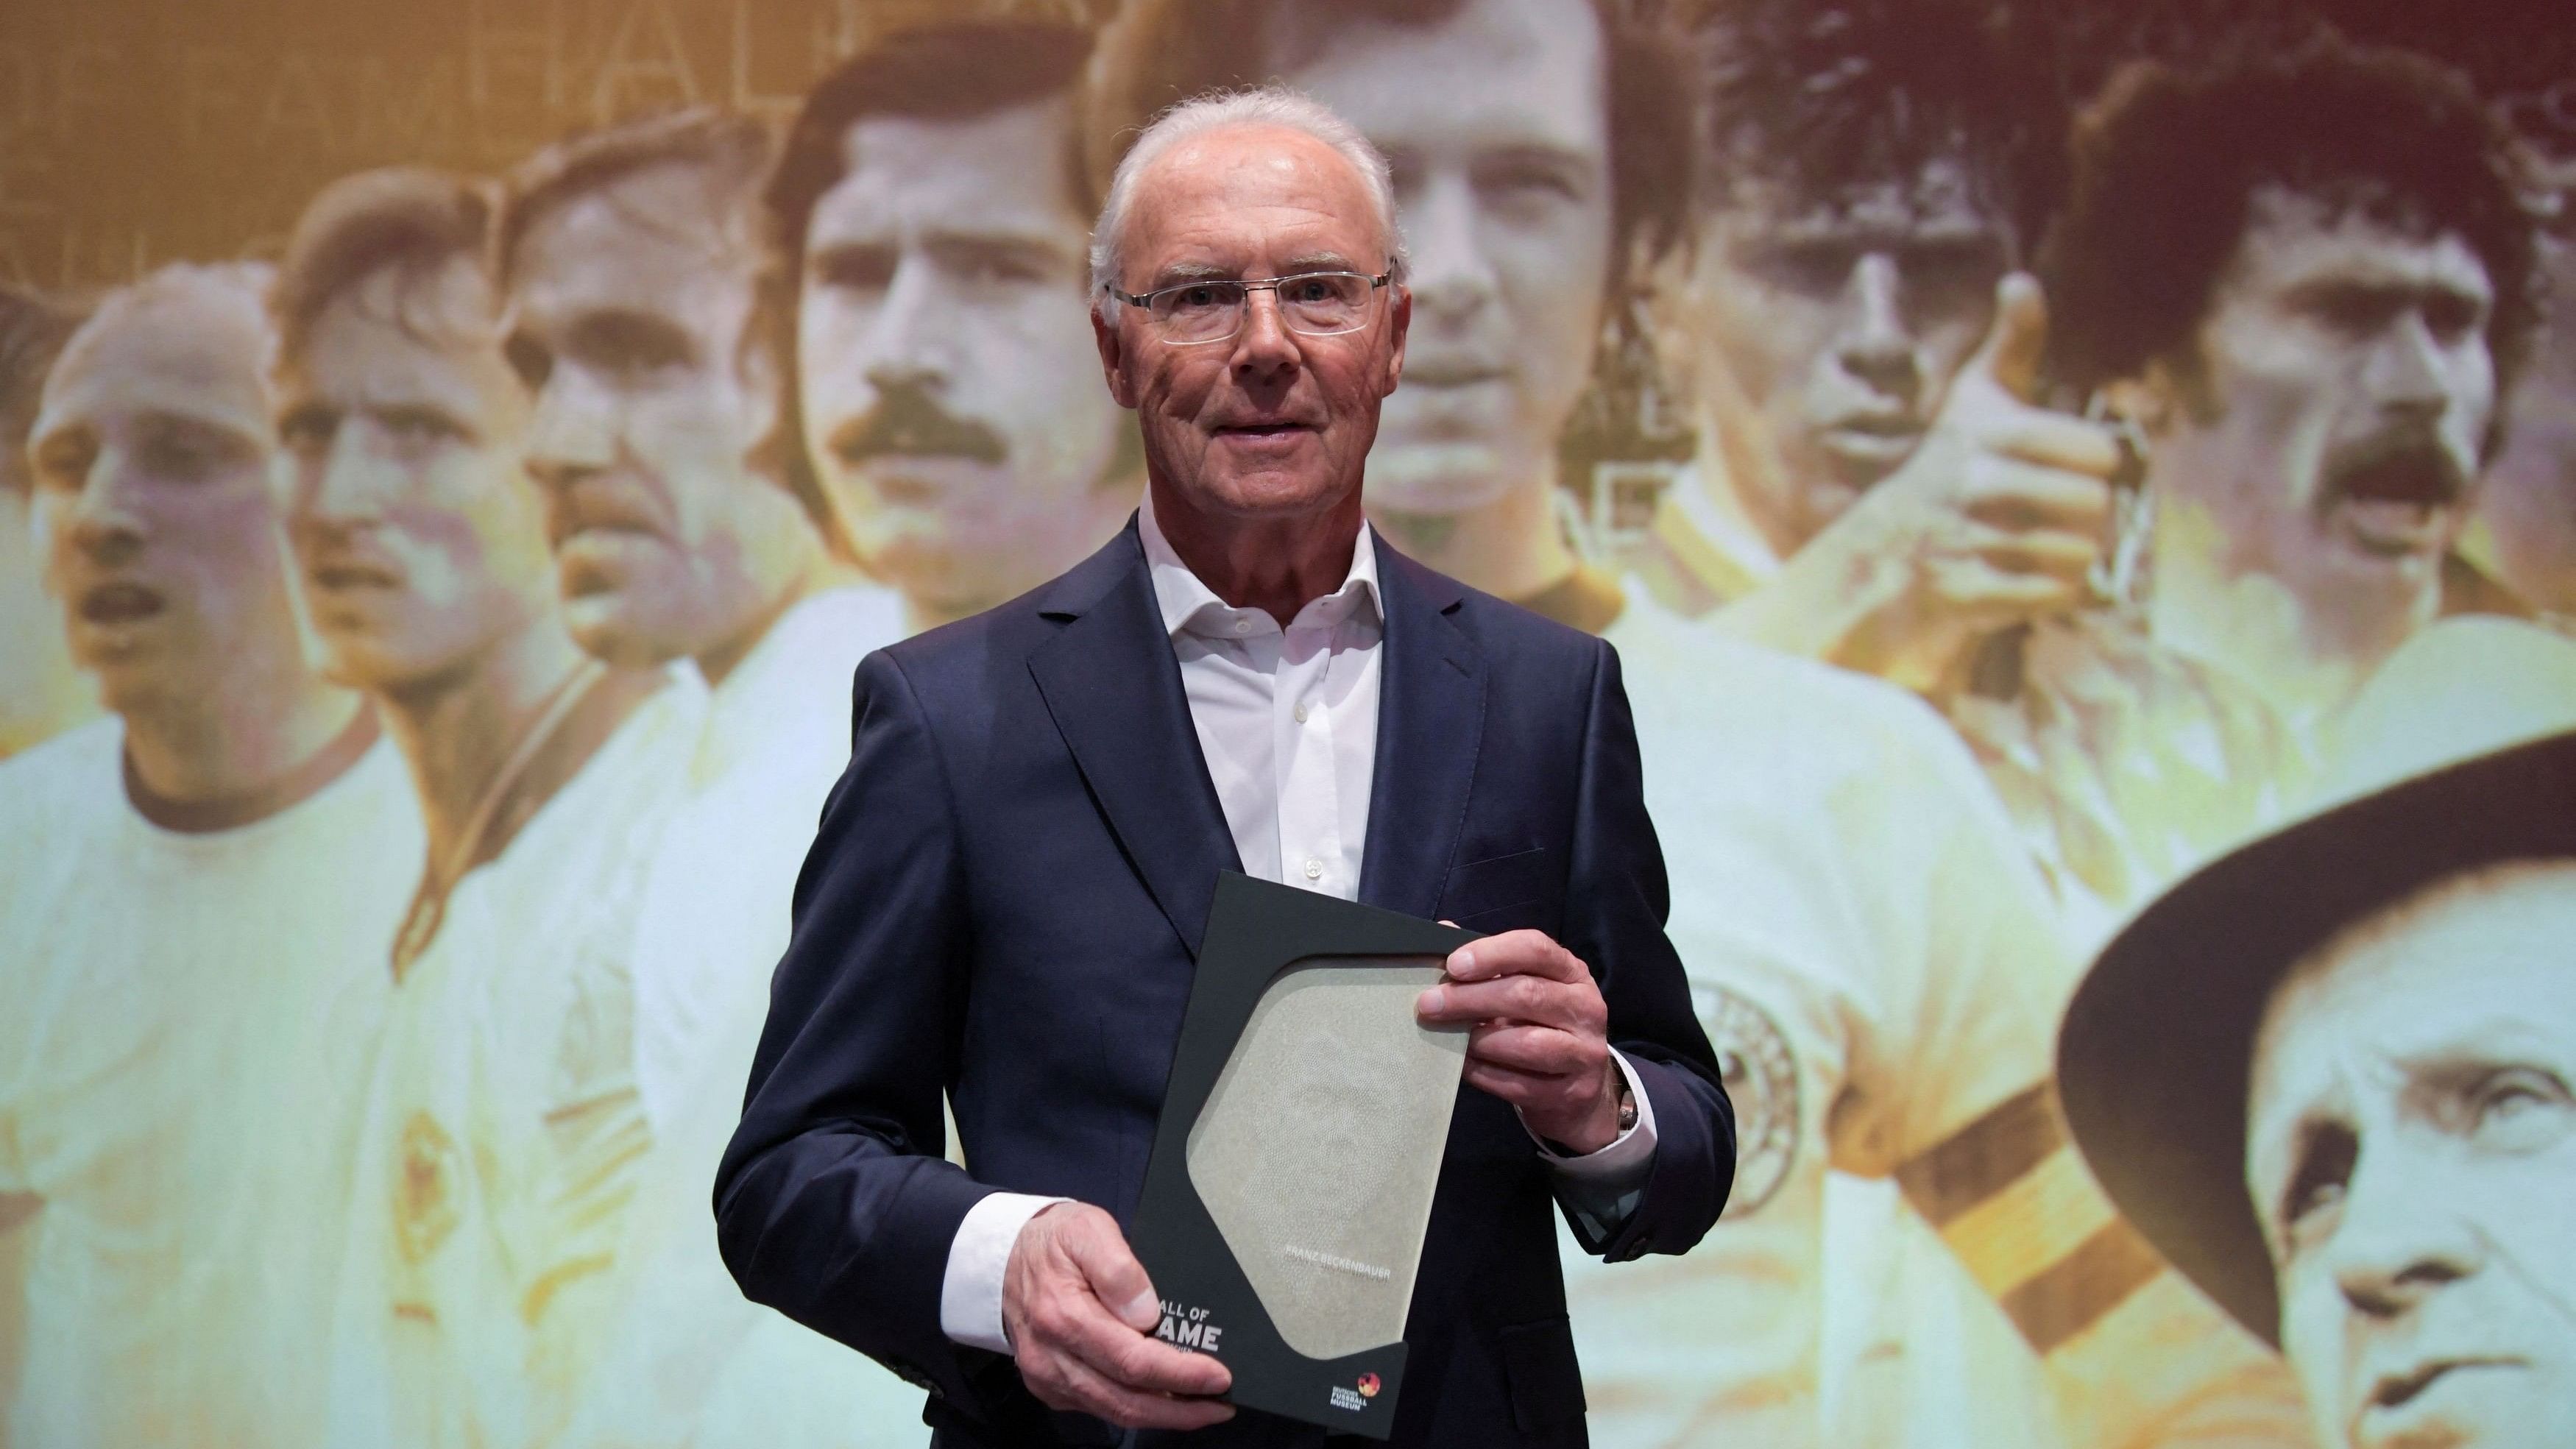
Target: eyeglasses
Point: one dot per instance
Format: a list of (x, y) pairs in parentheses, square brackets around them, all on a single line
[(1316, 304)]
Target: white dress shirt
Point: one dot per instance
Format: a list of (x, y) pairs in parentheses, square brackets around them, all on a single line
[(1287, 721)]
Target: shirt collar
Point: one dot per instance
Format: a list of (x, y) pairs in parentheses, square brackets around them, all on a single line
[(1190, 606)]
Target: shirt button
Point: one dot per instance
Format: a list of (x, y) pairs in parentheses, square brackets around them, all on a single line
[(1314, 869), (1243, 626), (1301, 714)]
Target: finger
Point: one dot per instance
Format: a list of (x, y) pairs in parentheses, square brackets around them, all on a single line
[(1514, 953), (1532, 999), (1529, 1091), (2054, 440), (2015, 495), (1116, 1278), (1072, 1323), (1085, 1389), (2014, 345), (1138, 1361), (2051, 553), (1539, 1050), (1974, 585)]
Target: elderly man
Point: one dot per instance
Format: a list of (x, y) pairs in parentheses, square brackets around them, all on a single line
[(497, 1136), (931, 218), (2329, 1076), (1537, 145), (196, 895), (1016, 868)]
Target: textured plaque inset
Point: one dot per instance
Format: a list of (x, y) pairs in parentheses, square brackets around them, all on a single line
[(1319, 1149)]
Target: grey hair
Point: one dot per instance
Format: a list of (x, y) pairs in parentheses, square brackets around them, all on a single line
[(1266, 105)]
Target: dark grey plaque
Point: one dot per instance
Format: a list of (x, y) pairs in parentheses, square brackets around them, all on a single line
[(1299, 1146)]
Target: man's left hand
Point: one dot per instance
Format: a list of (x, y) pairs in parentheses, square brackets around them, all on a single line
[(1539, 1037)]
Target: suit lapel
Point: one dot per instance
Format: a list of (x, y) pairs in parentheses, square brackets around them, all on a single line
[(1430, 722), (1113, 687)]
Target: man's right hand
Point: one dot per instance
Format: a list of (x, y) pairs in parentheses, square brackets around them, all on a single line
[(1997, 518), (1081, 1315)]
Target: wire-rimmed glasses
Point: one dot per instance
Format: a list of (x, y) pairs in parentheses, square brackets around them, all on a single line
[(1314, 304)]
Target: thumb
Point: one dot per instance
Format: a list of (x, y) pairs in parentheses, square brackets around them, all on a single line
[(2014, 345), (1117, 1279)]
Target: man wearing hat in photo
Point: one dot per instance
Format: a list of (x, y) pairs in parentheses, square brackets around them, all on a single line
[(2332, 1077)]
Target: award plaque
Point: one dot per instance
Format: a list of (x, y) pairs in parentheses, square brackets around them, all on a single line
[(1300, 1142)]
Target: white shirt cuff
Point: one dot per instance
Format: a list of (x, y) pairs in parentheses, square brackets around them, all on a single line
[(970, 1290), (1624, 1161)]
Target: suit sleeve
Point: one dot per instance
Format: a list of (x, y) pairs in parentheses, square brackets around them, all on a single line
[(1616, 903), (833, 1202)]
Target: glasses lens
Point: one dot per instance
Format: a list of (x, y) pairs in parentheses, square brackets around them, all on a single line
[(1325, 302), (1200, 312)]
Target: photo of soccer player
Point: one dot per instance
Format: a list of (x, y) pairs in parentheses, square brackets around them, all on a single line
[(197, 896)]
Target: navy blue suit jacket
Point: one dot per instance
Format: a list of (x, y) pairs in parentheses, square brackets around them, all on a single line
[(1004, 902)]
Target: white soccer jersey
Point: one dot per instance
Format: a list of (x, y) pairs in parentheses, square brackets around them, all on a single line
[(714, 916), (503, 1130), (1877, 966), (1881, 971), (2126, 764), (180, 1016), (699, 1363)]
